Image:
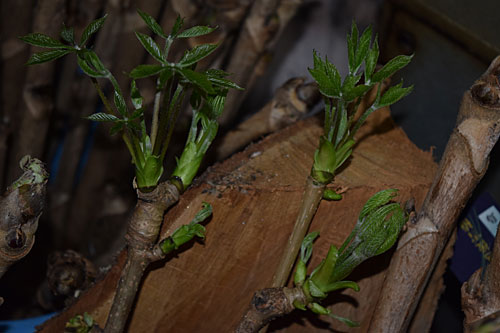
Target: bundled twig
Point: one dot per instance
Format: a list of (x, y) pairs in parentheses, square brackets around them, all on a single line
[(263, 25), (20, 209), (464, 163)]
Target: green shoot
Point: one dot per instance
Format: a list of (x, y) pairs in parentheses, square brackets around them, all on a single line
[(342, 98), (377, 229), (173, 80), (187, 232)]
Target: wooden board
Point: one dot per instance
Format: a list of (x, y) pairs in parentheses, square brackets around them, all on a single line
[(255, 197)]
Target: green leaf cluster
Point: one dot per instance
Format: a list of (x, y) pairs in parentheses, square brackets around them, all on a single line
[(173, 81), (80, 324), (377, 229), (187, 232), (343, 96)]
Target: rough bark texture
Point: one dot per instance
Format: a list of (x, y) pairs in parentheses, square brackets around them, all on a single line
[(290, 102), (464, 163), (260, 28), (481, 295), (20, 208), (424, 314), (143, 230), (255, 197), (268, 304)]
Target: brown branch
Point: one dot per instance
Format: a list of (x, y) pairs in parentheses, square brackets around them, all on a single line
[(20, 209), (144, 228), (268, 304), (291, 102), (481, 295), (311, 198), (463, 165), (261, 27)]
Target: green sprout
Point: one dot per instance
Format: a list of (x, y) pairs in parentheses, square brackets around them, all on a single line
[(187, 232), (342, 99), (379, 224), (174, 81)]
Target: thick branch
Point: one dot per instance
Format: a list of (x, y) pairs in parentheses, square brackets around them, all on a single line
[(143, 231), (481, 297), (20, 209), (268, 304), (261, 27), (463, 164)]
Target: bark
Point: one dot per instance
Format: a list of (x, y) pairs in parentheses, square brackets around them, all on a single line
[(313, 194), (37, 92), (481, 294), (464, 163), (259, 29), (291, 102), (143, 231), (268, 304), (424, 314), (68, 273), (20, 208)]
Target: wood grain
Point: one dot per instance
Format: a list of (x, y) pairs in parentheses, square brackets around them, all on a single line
[(255, 196)]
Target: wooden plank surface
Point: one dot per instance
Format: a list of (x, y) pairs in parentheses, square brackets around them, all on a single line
[(255, 196)]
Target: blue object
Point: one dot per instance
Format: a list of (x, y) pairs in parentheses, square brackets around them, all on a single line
[(24, 325), (476, 233)]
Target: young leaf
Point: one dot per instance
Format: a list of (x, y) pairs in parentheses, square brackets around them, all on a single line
[(152, 24), (179, 22), (197, 79), (143, 71), (203, 214), (377, 200), (394, 94), (68, 34), (101, 116), (42, 40), (352, 47), (120, 104), (135, 95), (196, 54), (363, 47), (91, 29), (41, 57), (150, 45), (196, 31), (87, 69), (371, 61), (307, 246), (391, 67)]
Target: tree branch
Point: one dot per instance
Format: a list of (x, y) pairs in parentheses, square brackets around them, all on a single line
[(268, 304), (463, 165), (144, 228), (20, 208)]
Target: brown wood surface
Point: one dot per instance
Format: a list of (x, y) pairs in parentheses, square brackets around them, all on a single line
[(255, 196)]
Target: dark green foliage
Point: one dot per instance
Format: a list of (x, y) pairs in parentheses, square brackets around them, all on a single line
[(209, 89), (342, 98)]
